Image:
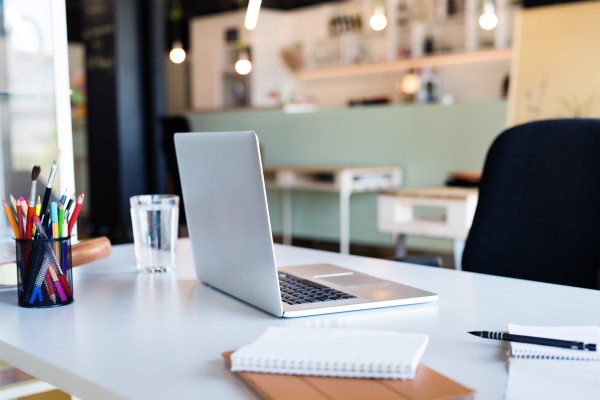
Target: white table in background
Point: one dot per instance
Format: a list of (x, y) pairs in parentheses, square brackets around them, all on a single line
[(344, 180), (395, 214), (138, 336)]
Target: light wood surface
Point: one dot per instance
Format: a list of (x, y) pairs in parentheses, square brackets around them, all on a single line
[(401, 65), (434, 192)]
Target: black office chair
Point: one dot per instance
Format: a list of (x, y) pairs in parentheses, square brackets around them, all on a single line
[(538, 216), (171, 126)]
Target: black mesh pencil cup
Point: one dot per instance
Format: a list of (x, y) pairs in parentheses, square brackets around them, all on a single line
[(44, 272)]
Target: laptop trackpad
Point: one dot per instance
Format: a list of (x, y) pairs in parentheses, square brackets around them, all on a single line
[(352, 280)]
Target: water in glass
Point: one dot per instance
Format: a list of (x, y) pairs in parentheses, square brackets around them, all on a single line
[(155, 223)]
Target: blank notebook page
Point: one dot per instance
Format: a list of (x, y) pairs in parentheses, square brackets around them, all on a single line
[(586, 334), (333, 352), (552, 373)]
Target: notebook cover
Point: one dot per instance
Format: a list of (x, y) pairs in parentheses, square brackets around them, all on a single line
[(427, 385)]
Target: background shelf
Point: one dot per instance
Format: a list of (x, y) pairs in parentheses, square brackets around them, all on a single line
[(404, 64)]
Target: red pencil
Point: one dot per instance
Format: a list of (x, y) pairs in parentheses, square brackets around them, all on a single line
[(75, 213), (20, 221), (50, 287)]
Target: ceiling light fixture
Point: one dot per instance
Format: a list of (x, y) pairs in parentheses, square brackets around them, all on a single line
[(252, 14)]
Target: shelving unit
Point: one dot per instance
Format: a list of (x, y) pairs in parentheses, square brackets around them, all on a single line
[(322, 53), (456, 39), (401, 65)]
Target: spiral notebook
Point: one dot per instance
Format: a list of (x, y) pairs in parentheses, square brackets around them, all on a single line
[(552, 373), (349, 353)]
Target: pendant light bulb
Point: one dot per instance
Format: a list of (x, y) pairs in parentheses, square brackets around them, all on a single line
[(177, 54), (488, 19), (410, 83), (243, 66), (378, 20)]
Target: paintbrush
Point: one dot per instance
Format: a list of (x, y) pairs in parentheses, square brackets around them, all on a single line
[(35, 173), (53, 170)]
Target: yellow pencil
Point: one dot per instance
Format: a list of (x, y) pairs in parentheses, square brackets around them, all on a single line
[(13, 202), (38, 209)]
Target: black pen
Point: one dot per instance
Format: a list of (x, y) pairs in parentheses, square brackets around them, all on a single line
[(567, 344)]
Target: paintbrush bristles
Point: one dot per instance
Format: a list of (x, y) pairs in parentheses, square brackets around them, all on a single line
[(35, 172), (58, 153)]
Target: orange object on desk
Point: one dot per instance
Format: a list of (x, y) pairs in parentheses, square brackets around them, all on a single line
[(427, 385)]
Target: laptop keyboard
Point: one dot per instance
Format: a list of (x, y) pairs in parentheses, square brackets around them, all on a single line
[(295, 290)]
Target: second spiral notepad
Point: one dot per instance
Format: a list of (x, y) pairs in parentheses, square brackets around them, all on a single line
[(351, 353)]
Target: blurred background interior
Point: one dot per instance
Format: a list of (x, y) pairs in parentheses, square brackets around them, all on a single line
[(374, 116)]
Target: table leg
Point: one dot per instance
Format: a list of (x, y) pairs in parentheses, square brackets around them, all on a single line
[(400, 250), (286, 211), (458, 246)]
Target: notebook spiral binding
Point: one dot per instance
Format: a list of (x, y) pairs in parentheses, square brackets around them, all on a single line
[(537, 355), (324, 368)]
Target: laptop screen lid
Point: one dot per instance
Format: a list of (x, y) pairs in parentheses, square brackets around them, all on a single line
[(227, 215)]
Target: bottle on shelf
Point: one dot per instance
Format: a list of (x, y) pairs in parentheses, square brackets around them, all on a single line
[(403, 14)]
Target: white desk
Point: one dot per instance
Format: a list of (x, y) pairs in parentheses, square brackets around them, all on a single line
[(346, 180), (137, 336)]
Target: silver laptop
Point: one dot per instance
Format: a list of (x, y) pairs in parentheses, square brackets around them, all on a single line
[(228, 221)]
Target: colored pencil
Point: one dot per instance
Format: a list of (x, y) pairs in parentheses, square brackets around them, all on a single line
[(48, 223), (59, 221), (24, 205), (63, 198), (53, 170), (54, 216), (65, 224), (75, 213), (10, 219), (38, 209), (35, 173), (45, 267), (13, 202), (14, 216), (20, 222), (50, 288), (71, 201)]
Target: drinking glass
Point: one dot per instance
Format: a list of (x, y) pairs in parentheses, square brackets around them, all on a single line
[(155, 220)]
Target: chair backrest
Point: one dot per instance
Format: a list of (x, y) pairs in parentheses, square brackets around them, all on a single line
[(538, 215)]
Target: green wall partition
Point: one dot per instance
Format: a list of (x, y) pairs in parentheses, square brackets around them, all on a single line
[(427, 141)]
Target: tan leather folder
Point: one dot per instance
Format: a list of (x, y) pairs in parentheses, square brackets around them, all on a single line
[(427, 385)]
